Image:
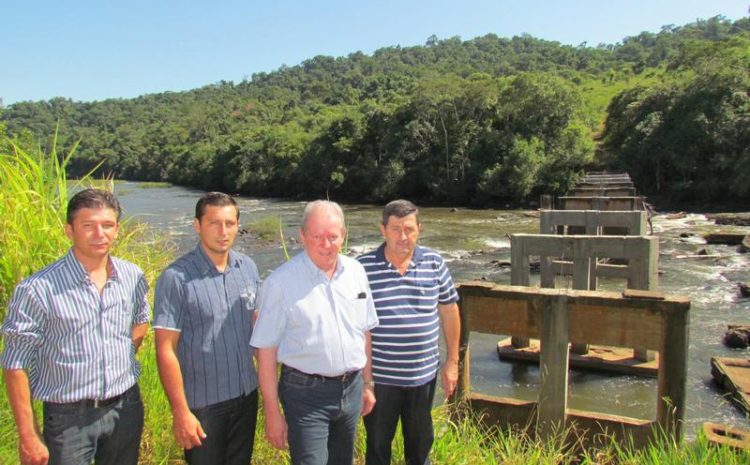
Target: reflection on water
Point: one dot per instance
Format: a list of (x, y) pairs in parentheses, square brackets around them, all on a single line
[(475, 243)]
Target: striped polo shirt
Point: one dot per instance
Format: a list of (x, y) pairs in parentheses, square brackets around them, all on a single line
[(74, 342), (213, 311), (405, 343)]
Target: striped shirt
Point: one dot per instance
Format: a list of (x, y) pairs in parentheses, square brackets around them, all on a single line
[(213, 312), (74, 342), (405, 343)]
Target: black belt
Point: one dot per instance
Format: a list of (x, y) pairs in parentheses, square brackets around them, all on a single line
[(343, 378), (94, 403)]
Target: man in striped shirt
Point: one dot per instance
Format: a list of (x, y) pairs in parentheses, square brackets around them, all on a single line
[(203, 319), (414, 296), (71, 335)]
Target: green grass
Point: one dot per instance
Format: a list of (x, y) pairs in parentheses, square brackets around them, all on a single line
[(266, 228), (33, 196)]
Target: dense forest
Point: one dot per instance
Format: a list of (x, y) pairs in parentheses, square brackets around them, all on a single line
[(485, 121)]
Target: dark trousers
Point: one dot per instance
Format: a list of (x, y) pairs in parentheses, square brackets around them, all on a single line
[(413, 406), (80, 432), (230, 432), (321, 415)]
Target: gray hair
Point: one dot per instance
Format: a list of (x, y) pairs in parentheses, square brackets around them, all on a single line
[(327, 205), (399, 208)]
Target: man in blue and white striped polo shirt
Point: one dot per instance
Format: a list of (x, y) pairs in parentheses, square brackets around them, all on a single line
[(71, 335), (203, 319), (414, 296)]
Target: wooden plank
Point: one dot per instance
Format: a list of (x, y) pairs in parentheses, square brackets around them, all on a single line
[(618, 247), (733, 374), (553, 391), (617, 326), (602, 191), (726, 435), (600, 203), (673, 368), (605, 318), (519, 276), (607, 359), (634, 221), (507, 316), (604, 270)]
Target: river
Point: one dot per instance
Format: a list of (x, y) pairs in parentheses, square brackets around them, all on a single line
[(470, 240)]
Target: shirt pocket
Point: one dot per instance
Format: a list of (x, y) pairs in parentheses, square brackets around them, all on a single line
[(248, 297), (354, 313)]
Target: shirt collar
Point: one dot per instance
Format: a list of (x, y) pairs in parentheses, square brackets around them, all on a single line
[(206, 266), (79, 273), (315, 271), (415, 258)]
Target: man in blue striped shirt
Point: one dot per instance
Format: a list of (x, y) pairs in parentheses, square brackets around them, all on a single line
[(203, 319), (71, 335), (414, 296)]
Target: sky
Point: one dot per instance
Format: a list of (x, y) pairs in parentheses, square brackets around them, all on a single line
[(90, 50)]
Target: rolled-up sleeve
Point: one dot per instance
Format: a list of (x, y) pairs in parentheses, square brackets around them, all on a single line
[(269, 329), (168, 301), (22, 329)]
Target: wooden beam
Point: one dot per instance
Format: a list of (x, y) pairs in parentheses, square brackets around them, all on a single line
[(553, 366)]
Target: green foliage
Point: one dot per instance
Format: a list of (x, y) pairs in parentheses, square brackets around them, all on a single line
[(487, 120), (33, 204), (689, 139)]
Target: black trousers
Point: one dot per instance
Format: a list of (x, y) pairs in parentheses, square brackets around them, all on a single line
[(230, 432), (413, 406)]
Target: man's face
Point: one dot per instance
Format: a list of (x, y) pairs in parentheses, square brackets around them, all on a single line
[(322, 238), (217, 228), (401, 235), (93, 232)]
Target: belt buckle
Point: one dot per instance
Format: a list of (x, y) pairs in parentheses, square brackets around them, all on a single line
[(96, 403)]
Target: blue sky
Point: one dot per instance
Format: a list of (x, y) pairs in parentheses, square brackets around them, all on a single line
[(92, 50)]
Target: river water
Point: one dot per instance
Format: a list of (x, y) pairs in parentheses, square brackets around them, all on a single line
[(471, 240)]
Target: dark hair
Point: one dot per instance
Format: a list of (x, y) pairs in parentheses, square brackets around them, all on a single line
[(215, 199), (92, 198), (399, 208)]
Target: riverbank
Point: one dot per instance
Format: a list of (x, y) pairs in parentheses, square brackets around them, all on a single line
[(453, 232)]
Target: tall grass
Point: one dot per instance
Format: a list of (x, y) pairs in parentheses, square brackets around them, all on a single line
[(33, 197), (33, 201)]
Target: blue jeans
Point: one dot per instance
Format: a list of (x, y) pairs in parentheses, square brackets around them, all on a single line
[(321, 416), (79, 433), (230, 432), (413, 405)]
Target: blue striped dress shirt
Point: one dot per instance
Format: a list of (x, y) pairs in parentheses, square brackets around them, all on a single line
[(74, 342), (405, 343), (213, 311)]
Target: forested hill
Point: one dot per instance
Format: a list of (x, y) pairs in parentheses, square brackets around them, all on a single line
[(484, 121)]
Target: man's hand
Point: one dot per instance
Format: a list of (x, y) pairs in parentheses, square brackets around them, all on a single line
[(449, 377), (276, 430), (32, 451), (187, 430), (368, 399)]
